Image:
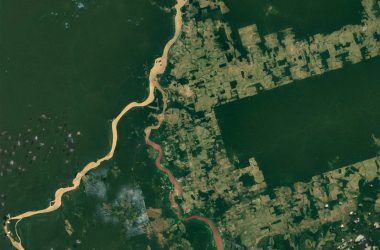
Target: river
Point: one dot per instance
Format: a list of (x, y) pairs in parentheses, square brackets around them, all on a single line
[(158, 68)]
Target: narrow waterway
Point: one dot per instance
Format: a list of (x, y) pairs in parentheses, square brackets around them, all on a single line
[(177, 188), (158, 68)]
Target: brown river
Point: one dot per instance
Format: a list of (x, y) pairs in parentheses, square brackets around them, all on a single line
[(157, 69)]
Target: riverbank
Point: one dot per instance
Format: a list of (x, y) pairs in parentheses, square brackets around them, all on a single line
[(158, 68)]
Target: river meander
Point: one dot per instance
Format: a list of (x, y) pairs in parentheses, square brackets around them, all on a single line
[(56, 203), (83, 73)]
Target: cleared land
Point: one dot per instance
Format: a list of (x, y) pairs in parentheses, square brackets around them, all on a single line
[(309, 127)]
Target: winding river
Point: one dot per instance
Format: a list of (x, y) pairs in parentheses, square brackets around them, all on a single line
[(157, 69)]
